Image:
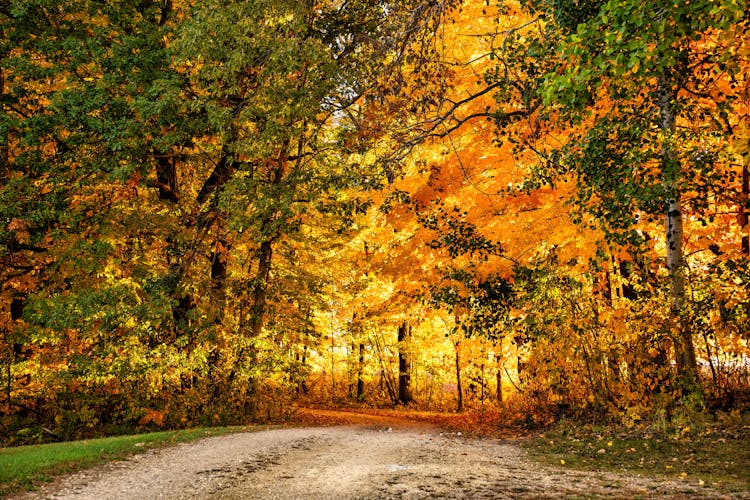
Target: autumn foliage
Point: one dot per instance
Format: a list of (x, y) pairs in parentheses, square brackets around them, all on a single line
[(212, 211)]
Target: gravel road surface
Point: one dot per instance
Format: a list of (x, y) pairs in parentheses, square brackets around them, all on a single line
[(378, 458)]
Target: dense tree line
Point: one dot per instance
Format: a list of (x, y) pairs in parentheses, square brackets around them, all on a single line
[(211, 209)]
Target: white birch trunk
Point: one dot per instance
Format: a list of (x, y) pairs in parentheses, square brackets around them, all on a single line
[(684, 350)]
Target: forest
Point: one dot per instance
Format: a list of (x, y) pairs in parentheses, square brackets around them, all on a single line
[(212, 212)]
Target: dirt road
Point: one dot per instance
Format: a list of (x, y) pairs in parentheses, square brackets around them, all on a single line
[(377, 458)]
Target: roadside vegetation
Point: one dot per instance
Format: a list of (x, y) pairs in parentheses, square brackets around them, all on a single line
[(702, 449), (25, 467), (714, 452)]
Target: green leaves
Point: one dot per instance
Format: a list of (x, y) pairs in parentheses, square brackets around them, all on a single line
[(455, 234), (171, 166), (612, 62)]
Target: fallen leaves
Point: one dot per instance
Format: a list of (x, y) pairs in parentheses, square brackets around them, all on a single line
[(699, 459)]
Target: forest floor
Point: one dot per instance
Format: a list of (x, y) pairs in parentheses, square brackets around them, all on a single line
[(358, 455)]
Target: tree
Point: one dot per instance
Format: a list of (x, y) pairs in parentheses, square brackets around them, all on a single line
[(82, 83), (404, 363), (165, 157), (638, 83)]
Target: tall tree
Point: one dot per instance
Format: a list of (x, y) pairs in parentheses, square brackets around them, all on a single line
[(404, 363), (281, 84), (160, 157), (629, 80)]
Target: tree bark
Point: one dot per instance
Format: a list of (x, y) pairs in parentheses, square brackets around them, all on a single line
[(404, 363), (385, 374), (219, 176), (8, 361), (460, 400), (360, 373), (166, 178), (265, 254), (303, 382), (675, 254), (499, 375), (742, 216), (259, 293), (687, 366)]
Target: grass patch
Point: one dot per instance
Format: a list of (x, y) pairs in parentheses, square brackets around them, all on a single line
[(716, 454), (25, 467)]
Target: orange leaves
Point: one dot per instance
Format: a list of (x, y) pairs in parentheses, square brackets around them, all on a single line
[(20, 228), (152, 416)]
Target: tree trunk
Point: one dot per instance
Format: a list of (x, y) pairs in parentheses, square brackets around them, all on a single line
[(460, 401), (742, 217), (404, 363), (360, 373), (302, 387), (499, 375), (674, 254), (221, 174), (219, 259), (687, 366), (166, 177), (177, 258), (265, 253), (9, 360), (684, 349), (258, 307), (385, 374), (482, 382)]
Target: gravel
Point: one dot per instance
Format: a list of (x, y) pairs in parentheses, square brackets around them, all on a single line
[(375, 459)]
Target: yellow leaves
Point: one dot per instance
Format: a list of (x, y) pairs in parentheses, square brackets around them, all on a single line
[(110, 273), (741, 145), (741, 142), (130, 322)]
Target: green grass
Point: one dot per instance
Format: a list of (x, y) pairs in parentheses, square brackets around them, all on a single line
[(25, 467), (717, 455)]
